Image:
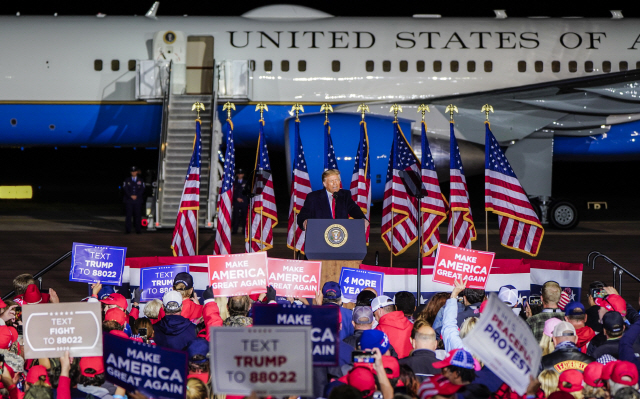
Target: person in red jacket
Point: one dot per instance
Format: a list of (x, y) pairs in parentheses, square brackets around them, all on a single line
[(393, 323), (210, 312), (183, 283), (576, 315)]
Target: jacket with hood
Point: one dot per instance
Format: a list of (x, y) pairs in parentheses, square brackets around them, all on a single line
[(398, 329), (174, 332), (585, 335)]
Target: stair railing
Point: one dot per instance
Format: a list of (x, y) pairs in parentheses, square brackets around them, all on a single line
[(162, 148), (38, 276), (618, 271)]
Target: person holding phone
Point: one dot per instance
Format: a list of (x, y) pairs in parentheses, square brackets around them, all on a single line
[(596, 290)]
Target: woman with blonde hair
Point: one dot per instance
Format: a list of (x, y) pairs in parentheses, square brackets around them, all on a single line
[(196, 389), (546, 343), (548, 382)]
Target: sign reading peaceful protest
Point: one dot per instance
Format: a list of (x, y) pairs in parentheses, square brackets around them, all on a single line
[(154, 371), (462, 264), (238, 274), (157, 281), (353, 281), (51, 329), (504, 343), (97, 263), (323, 321), (267, 360), (294, 278)]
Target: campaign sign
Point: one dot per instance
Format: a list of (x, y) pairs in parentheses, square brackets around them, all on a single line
[(154, 371), (267, 360), (353, 281), (157, 281), (51, 329), (322, 319), (97, 263), (294, 278), (504, 343), (238, 274), (462, 264)]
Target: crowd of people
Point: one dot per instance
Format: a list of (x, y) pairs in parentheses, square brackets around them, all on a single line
[(389, 347)]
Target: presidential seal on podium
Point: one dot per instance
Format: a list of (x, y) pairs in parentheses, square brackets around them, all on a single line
[(336, 235)]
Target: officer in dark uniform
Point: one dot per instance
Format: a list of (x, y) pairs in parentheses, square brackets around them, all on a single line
[(133, 195), (240, 203)]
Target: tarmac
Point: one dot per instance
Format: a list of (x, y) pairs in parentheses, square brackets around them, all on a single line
[(35, 234)]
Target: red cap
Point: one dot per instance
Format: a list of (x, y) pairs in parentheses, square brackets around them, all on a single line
[(391, 366), (608, 369), (437, 385), (91, 362), (625, 373), (613, 302), (593, 375), (570, 381), (361, 378), (32, 295), (36, 372), (116, 299), (8, 335), (116, 315)]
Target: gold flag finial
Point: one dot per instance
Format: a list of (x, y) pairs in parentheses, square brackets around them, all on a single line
[(395, 108), (228, 106), (486, 109), (297, 108), (362, 108), (451, 109), (261, 107), (198, 106), (326, 107), (423, 108)]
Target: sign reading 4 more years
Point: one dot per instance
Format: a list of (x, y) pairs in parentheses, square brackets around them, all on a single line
[(97, 263)]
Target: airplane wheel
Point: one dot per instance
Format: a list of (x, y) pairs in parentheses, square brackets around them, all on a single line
[(563, 215)]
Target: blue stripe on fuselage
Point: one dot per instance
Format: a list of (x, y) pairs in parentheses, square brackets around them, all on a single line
[(620, 143)]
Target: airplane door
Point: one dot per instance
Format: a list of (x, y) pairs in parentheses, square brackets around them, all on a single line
[(200, 65), (172, 46)]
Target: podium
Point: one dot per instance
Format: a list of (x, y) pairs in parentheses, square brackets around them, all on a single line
[(337, 243)]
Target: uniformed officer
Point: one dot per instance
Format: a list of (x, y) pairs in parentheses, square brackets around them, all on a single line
[(133, 195), (240, 203)]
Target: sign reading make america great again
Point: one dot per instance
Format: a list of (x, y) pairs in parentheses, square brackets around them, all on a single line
[(238, 274), (295, 278)]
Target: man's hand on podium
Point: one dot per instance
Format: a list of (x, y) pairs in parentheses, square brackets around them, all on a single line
[(304, 225), (366, 224)]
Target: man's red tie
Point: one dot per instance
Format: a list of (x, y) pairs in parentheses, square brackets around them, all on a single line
[(333, 206)]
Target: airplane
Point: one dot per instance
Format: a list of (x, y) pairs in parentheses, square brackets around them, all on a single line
[(562, 88)]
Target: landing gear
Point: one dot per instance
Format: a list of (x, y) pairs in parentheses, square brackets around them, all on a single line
[(563, 215)]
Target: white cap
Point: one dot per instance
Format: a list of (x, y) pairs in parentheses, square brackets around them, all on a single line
[(172, 296), (509, 295), (381, 302)]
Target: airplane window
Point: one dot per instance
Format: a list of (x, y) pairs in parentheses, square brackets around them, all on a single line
[(335, 66), (573, 66), (538, 66), (132, 65), (522, 66), (284, 66), (454, 66), (386, 66), (420, 66), (555, 66), (606, 66), (588, 66), (623, 66), (471, 66), (404, 66), (252, 65), (97, 65), (437, 66), (369, 66), (115, 65), (268, 66), (302, 66), (488, 66)]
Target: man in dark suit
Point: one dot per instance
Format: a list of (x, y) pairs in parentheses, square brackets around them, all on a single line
[(240, 203), (331, 202), (133, 195)]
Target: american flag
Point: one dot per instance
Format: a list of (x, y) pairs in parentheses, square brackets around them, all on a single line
[(262, 211), (300, 187), (396, 200), (461, 228), (185, 234), (520, 227), (222, 244), (433, 203), (361, 177), (330, 158)]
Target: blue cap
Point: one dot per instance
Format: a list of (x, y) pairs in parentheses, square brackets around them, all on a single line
[(198, 347), (331, 290), (574, 308), (106, 291), (374, 339)]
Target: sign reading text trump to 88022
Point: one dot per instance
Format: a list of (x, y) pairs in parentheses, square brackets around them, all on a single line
[(268, 360), (97, 263), (454, 263), (51, 329), (238, 274), (158, 280)]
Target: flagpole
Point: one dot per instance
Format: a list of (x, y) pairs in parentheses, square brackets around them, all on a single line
[(486, 109), (391, 253), (395, 108), (197, 106)]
